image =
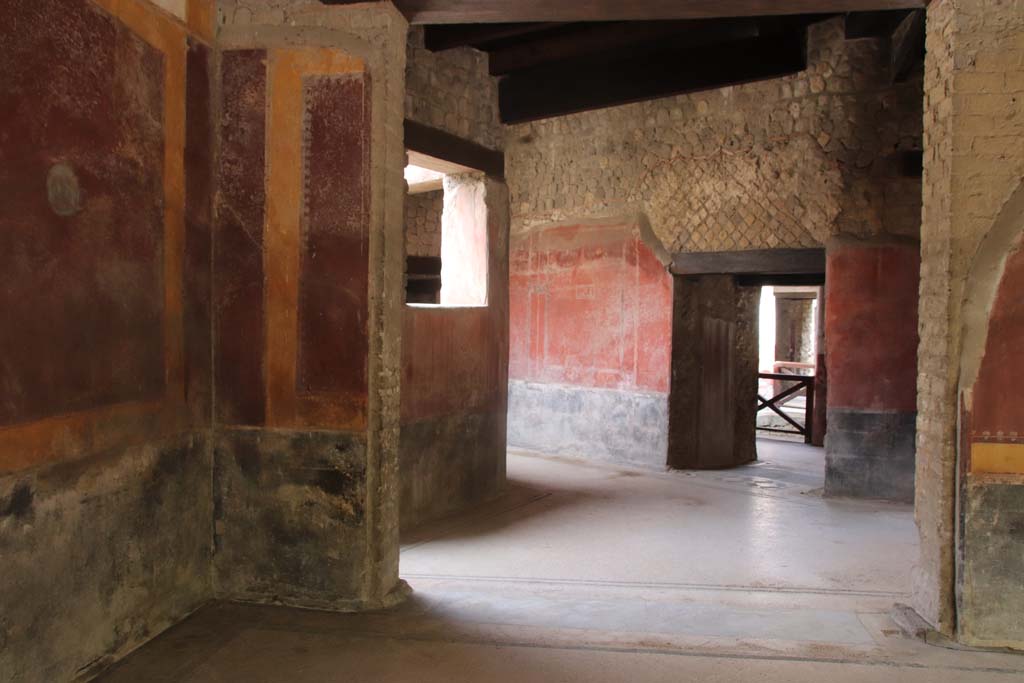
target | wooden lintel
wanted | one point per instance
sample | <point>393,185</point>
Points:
<point>447,147</point>
<point>755,262</point>
<point>804,280</point>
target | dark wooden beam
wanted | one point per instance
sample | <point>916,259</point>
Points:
<point>437,38</point>
<point>576,40</point>
<point>514,11</point>
<point>873,24</point>
<point>447,147</point>
<point>611,79</point>
<point>807,279</point>
<point>755,262</point>
<point>908,46</point>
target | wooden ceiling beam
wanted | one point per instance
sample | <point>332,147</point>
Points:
<point>577,40</point>
<point>611,79</point>
<point>509,11</point>
<point>437,38</point>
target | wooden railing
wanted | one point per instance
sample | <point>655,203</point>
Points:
<point>798,383</point>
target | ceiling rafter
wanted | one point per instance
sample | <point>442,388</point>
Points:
<point>512,11</point>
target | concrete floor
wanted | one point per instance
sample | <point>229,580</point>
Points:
<point>593,573</point>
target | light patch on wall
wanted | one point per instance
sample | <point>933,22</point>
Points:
<point>62,190</point>
<point>997,458</point>
<point>175,7</point>
<point>766,331</point>
<point>464,242</point>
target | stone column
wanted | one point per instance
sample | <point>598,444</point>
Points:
<point>308,291</point>
<point>973,161</point>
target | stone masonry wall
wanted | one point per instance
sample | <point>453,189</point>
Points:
<point>974,161</point>
<point>781,163</point>
<point>452,91</point>
<point>423,223</point>
<point>794,325</point>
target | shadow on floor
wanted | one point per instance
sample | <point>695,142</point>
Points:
<point>519,503</point>
<point>602,574</point>
<point>259,644</point>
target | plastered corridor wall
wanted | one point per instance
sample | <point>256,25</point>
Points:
<point>591,335</point>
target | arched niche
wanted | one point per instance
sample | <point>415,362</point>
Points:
<point>993,326</point>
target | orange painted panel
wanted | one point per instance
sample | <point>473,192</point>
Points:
<point>452,362</point>
<point>201,18</point>
<point>997,458</point>
<point>286,405</point>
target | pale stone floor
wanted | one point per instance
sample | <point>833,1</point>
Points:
<point>584,572</point>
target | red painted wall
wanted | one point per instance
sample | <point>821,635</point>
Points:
<point>453,362</point>
<point>998,404</point>
<point>455,359</point>
<point>590,305</point>
<point>871,326</point>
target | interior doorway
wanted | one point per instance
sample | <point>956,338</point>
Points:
<point>789,323</point>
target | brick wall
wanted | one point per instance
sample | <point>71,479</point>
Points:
<point>935,401</point>
<point>974,160</point>
<point>781,163</point>
<point>423,223</point>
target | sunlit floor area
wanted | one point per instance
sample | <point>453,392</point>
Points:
<point>583,572</point>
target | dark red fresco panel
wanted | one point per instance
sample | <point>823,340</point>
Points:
<point>198,230</point>
<point>81,290</point>
<point>334,269</point>
<point>238,285</point>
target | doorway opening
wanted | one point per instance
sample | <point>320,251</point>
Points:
<point>789,323</point>
<point>446,234</point>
